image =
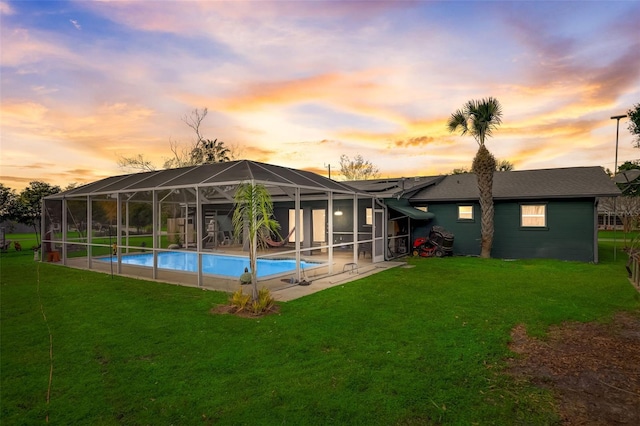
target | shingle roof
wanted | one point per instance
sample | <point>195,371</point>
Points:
<point>573,182</point>
<point>210,175</point>
<point>394,187</point>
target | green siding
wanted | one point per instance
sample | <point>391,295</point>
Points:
<point>467,233</point>
<point>569,234</point>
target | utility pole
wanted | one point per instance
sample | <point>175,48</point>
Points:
<point>615,171</point>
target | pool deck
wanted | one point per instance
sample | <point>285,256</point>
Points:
<point>342,270</point>
<point>296,291</point>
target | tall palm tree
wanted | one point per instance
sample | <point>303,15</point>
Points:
<point>254,215</point>
<point>479,118</point>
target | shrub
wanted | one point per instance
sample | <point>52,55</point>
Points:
<point>263,303</point>
<point>239,300</point>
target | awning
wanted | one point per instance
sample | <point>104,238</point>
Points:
<point>402,206</point>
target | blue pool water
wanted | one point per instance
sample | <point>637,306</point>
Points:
<point>215,264</point>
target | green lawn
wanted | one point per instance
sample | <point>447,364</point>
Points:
<point>424,345</point>
<point>619,235</point>
<point>102,245</point>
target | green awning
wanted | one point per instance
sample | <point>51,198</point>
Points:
<point>402,206</point>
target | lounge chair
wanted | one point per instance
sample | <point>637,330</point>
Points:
<point>267,239</point>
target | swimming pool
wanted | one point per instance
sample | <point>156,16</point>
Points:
<point>214,264</point>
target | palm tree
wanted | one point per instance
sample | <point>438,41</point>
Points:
<point>254,215</point>
<point>209,151</point>
<point>479,118</point>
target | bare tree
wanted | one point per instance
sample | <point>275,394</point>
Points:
<point>626,208</point>
<point>358,168</point>
<point>195,120</point>
<point>136,163</point>
<point>180,157</point>
<point>201,151</point>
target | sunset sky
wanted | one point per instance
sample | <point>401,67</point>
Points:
<point>299,83</point>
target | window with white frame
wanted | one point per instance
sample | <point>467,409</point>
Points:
<point>533,215</point>
<point>465,212</point>
<point>369,216</point>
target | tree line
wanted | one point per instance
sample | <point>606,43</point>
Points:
<point>25,207</point>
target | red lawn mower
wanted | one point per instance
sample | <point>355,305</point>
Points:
<point>439,243</point>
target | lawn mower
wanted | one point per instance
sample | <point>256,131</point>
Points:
<point>439,243</point>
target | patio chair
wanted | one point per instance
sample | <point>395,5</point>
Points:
<point>227,238</point>
<point>364,248</point>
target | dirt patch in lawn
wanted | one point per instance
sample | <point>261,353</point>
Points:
<point>592,369</point>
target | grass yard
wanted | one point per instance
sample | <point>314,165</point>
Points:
<point>421,345</point>
<point>618,235</point>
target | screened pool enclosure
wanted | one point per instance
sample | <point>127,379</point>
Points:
<point>323,222</point>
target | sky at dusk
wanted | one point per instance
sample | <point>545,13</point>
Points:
<point>300,83</point>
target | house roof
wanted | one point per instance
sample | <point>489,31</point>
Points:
<point>218,174</point>
<point>572,182</point>
<point>394,187</point>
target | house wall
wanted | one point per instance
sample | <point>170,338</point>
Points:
<point>569,234</point>
<point>341,224</point>
<point>467,233</point>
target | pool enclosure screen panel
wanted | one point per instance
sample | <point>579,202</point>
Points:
<point>379,239</point>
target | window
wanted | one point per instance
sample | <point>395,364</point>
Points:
<point>533,215</point>
<point>319,217</point>
<point>369,216</point>
<point>423,208</point>
<point>465,212</point>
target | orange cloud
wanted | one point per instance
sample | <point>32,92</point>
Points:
<point>317,170</point>
<point>259,154</point>
<point>33,166</point>
<point>285,92</point>
<point>414,141</point>
<point>15,179</point>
